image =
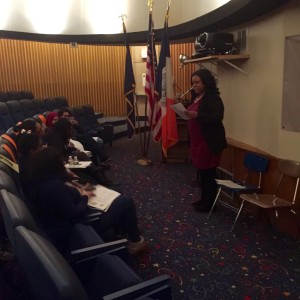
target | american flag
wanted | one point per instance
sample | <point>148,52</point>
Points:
<point>150,74</point>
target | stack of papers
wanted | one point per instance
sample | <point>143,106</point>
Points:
<point>229,183</point>
<point>103,198</point>
<point>80,165</point>
<point>180,109</point>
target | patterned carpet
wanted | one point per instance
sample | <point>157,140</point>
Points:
<point>203,258</point>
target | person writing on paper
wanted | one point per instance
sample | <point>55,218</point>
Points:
<point>207,134</point>
<point>60,205</point>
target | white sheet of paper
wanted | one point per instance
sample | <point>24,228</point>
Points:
<point>81,165</point>
<point>103,198</point>
<point>180,109</point>
<point>229,184</point>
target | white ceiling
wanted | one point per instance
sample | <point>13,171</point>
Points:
<point>96,16</point>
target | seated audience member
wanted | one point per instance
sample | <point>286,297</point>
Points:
<point>59,205</point>
<point>51,119</point>
<point>93,144</point>
<point>29,125</point>
<point>58,137</point>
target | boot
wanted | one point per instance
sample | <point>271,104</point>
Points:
<point>210,189</point>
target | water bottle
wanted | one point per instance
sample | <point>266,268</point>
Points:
<point>76,161</point>
<point>70,160</point>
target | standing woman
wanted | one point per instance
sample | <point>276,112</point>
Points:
<point>207,134</point>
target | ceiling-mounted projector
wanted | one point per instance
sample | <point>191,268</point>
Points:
<point>208,43</point>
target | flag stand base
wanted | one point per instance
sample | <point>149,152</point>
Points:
<point>144,162</point>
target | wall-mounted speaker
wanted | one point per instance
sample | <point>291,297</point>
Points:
<point>214,43</point>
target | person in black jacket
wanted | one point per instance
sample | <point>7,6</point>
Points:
<point>207,134</point>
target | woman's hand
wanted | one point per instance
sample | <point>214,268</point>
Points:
<point>87,193</point>
<point>191,114</point>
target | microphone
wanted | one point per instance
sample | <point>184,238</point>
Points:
<point>185,93</point>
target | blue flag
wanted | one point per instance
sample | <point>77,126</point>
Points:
<point>129,89</point>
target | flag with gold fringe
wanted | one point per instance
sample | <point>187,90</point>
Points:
<point>164,93</point>
<point>129,89</point>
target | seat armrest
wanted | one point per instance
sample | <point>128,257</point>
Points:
<point>91,217</point>
<point>92,251</point>
<point>158,285</point>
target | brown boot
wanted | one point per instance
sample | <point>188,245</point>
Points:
<point>137,247</point>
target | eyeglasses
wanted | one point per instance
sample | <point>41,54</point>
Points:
<point>66,116</point>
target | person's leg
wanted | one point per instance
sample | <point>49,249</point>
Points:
<point>201,180</point>
<point>122,212</point>
<point>91,145</point>
<point>209,188</point>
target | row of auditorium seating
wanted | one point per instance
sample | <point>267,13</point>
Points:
<point>15,95</point>
<point>14,111</point>
<point>94,269</point>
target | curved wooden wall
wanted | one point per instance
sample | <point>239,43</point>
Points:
<point>86,74</point>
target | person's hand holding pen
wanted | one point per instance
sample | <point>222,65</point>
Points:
<point>73,121</point>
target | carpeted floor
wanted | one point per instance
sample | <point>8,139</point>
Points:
<point>203,258</point>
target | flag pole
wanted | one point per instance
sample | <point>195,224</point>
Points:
<point>144,161</point>
<point>129,91</point>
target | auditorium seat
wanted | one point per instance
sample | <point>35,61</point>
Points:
<point>61,102</point>
<point>26,94</point>
<point>7,120</point>
<point>14,95</point>
<point>28,108</point>
<point>50,104</point>
<point>16,110</point>
<point>40,105</point>
<point>3,96</point>
<point>107,278</point>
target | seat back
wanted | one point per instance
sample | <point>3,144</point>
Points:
<point>28,108</point>
<point>3,97</point>
<point>26,94</point>
<point>40,105</point>
<point>7,120</point>
<point>8,183</point>
<point>289,168</point>
<point>61,102</point>
<point>50,104</point>
<point>16,110</point>
<point>255,163</point>
<point>49,275</point>
<point>15,213</point>
<point>14,95</point>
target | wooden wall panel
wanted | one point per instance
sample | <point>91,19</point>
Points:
<point>182,76</point>
<point>86,74</point>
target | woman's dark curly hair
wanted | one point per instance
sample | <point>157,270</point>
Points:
<point>62,128</point>
<point>28,125</point>
<point>209,82</point>
<point>27,143</point>
<point>46,163</point>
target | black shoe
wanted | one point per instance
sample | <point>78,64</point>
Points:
<point>197,203</point>
<point>204,208</point>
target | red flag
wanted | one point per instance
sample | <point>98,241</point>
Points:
<point>165,96</point>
